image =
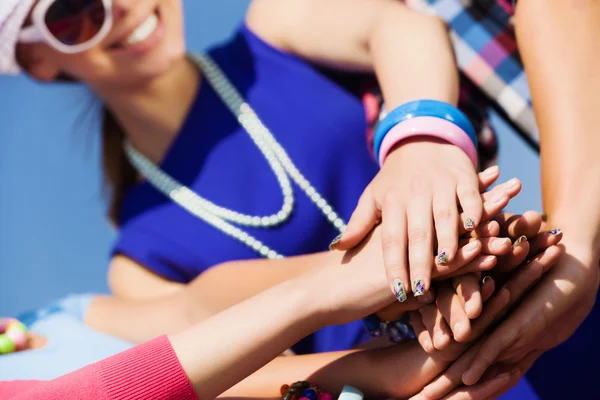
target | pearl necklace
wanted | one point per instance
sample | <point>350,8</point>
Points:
<point>276,156</point>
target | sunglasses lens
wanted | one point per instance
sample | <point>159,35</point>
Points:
<point>74,22</point>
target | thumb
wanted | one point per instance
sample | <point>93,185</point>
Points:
<point>363,220</point>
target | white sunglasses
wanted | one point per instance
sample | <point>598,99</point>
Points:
<point>70,26</point>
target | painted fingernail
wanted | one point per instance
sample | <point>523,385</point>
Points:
<point>442,258</point>
<point>399,290</point>
<point>556,231</point>
<point>335,241</point>
<point>520,240</point>
<point>469,223</point>
<point>418,287</point>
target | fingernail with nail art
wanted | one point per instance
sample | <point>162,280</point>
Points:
<point>469,223</point>
<point>399,290</point>
<point>442,258</point>
<point>519,241</point>
<point>556,231</point>
<point>335,241</point>
<point>418,287</point>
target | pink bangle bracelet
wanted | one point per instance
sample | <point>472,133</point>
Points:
<point>427,127</point>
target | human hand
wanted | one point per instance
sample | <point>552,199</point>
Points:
<point>400,371</point>
<point>547,317</point>
<point>448,384</point>
<point>415,194</point>
<point>451,319</point>
<point>493,202</point>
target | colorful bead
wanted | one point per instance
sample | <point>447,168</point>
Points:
<point>310,394</point>
<point>325,396</point>
<point>13,335</point>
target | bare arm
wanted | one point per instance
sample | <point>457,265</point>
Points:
<point>559,43</point>
<point>410,52</point>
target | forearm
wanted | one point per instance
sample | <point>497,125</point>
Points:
<point>141,320</point>
<point>558,43</point>
<point>399,371</point>
<point>216,357</point>
<point>227,284</point>
<point>410,52</point>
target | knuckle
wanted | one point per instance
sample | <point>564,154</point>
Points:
<point>419,235</point>
<point>444,213</point>
<point>417,186</point>
<point>469,191</point>
<point>391,198</point>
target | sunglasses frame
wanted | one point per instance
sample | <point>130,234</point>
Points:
<point>39,32</point>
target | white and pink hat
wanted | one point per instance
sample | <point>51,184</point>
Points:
<point>13,14</point>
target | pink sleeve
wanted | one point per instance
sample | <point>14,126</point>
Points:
<point>146,372</point>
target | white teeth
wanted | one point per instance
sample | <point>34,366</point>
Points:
<point>144,30</point>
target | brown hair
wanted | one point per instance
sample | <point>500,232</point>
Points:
<point>119,174</point>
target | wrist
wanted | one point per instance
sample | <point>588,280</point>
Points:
<point>580,237</point>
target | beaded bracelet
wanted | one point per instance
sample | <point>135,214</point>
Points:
<point>395,331</point>
<point>423,108</point>
<point>303,390</point>
<point>13,335</point>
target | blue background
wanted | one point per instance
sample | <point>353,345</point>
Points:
<point>54,238</point>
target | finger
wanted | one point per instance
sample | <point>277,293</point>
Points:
<point>508,332</point>
<point>421,332</point>
<point>497,246</point>
<point>451,308</point>
<point>420,244</point>
<point>363,220</point>
<point>468,291</point>
<point>429,316</point>
<point>480,263</point>
<point>487,177</point>
<point>470,202</point>
<point>445,216</point>
<point>452,377</point>
<point>544,240</point>
<point>487,288</point>
<point>493,203</point>
<point>396,310</point>
<point>514,226</point>
<point>442,335</point>
<point>512,187</point>
<point>517,255</point>
<point>489,389</point>
<point>464,256</point>
<point>486,230</point>
<point>393,241</point>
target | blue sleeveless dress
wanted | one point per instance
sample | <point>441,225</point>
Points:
<point>316,117</point>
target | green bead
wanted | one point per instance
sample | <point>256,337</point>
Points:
<point>7,346</point>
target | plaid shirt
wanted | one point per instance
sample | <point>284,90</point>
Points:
<point>491,70</point>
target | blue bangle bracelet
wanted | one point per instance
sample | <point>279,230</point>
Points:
<point>422,108</point>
